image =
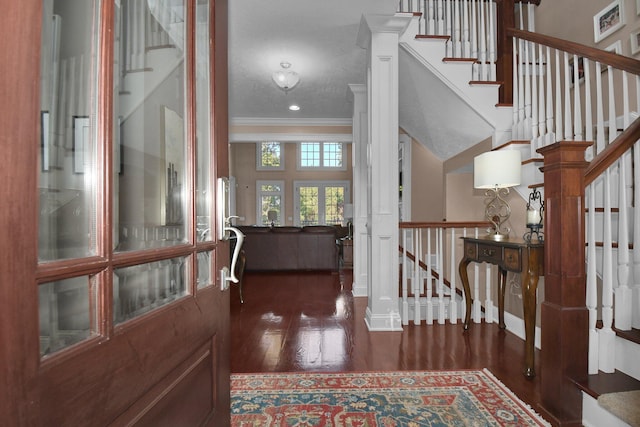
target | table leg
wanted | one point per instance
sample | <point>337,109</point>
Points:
<point>530,286</point>
<point>502,286</point>
<point>464,277</point>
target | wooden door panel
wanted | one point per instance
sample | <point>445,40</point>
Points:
<point>171,362</point>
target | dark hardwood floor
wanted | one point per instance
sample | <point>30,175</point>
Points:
<point>311,322</point>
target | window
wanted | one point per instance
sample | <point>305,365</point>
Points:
<point>320,155</point>
<point>320,202</point>
<point>269,156</point>
<point>270,202</point>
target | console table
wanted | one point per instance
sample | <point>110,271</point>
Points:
<point>517,256</point>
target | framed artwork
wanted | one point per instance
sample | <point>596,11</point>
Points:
<point>615,47</point>
<point>608,20</point>
<point>81,134</point>
<point>635,41</point>
<point>580,70</point>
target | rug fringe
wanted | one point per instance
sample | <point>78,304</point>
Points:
<point>513,396</point>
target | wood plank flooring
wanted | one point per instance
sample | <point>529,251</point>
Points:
<point>293,322</point>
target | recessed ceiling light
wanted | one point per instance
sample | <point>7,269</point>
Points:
<point>294,107</point>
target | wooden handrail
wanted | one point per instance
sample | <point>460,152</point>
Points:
<point>612,152</point>
<point>445,224</point>
<point>620,62</point>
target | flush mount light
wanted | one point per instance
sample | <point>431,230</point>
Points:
<point>294,107</point>
<point>285,78</point>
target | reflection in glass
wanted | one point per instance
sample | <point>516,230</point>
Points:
<point>203,91</point>
<point>149,109</point>
<point>67,313</point>
<point>67,192</point>
<point>142,288</point>
<point>205,274</point>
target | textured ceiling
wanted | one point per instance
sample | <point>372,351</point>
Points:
<point>319,39</point>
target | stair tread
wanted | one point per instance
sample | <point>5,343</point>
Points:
<point>432,37</point>
<point>601,383</point>
<point>633,335</point>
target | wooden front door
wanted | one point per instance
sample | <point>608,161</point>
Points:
<point>113,134</point>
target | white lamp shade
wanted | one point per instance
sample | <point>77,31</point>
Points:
<point>497,169</point>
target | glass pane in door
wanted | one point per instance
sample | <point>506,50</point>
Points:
<point>203,110</point>
<point>68,137</point>
<point>149,107</point>
<point>309,206</point>
<point>334,205</point>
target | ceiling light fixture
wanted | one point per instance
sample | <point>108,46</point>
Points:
<point>285,78</point>
<point>294,107</point>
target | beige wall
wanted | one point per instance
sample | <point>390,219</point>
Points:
<point>243,168</point>
<point>427,185</point>
<point>573,20</point>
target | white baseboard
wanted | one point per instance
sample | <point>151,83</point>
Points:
<point>515,325</point>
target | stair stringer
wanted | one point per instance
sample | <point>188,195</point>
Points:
<point>481,98</point>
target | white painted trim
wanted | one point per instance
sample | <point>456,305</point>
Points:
<point>264,121</point>
<point>390,322</point>
<point>290,137</point>
<point>515,325</point>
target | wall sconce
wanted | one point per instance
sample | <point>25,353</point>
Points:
<point>535,214</point>
<point>496,171</point>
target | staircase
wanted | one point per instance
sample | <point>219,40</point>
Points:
<point>546,108</point>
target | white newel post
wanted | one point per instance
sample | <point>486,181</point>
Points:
<point>360,199</point>
<point>380,36</point>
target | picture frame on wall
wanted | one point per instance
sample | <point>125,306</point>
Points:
<point>635,41</point>
<point>615,47</point>
<point>608,20</point>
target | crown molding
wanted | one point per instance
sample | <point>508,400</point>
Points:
<point>290,137</point>
<point>265,121</point>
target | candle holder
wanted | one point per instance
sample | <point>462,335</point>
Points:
<point>534,217</point>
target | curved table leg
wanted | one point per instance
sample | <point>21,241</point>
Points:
<point>462,270</point>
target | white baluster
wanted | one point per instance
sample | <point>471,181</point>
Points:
<point>456,35</point>
<point>466,43</point>
<point>606,336</point>
<point>431,27</point>
<point>568,126</point>
<point>626,113</point>
<point>488,307</point>
<point>474,31</point>
<point>440,249</point>
<point>482,35</point>
<point>492,42</point>
<point>521,90</point>
<point>530,18</point>
<point>588,109</point>
<point>534,102</point>
<point>558,98</point>
<point>613,126</point>
<point>577,105</point>
<point>542,119</point>
<point>592,282</point>
<point>514,128</point>
<point>453,305</point>
<point>417,284</point>
<point>636,235</point>
<point>449,24</point>
<point>441,15</point>
<point>429,315</point>
<point>405,272</point>
<point>476,307</point>
<point>527,91</point>
<point>600,136</point>
<point>550,137</point>
<point>623,292</point>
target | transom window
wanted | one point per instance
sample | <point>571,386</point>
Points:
<point>269,156</point>
<point>320,202</point>
<point>320,155</point>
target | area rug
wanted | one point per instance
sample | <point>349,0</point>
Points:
<point>370,399</point>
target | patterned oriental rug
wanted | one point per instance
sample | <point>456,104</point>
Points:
<point>385,399</point>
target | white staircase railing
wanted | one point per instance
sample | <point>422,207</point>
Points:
<point>430,254</point>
